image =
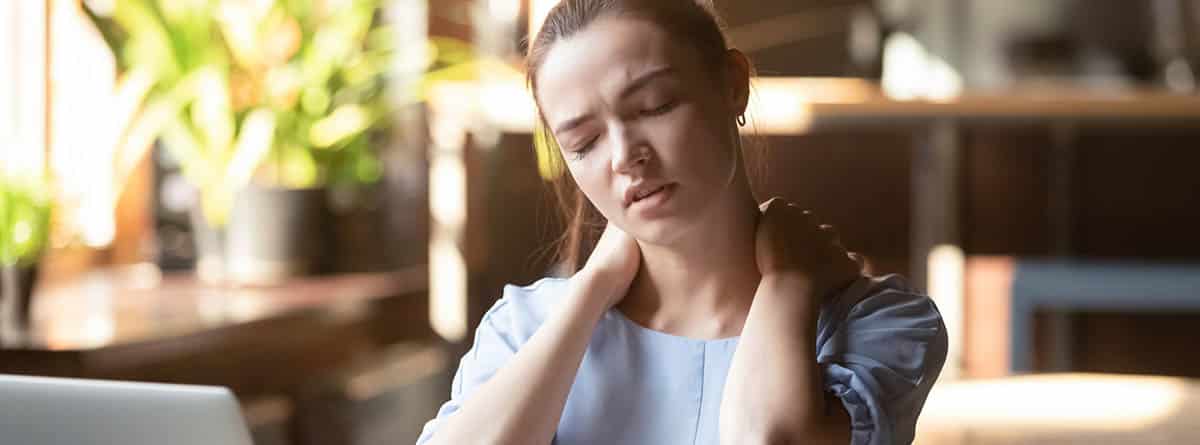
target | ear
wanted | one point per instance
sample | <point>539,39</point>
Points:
<point>738,72</point>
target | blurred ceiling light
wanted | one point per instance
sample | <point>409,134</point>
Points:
<point>946,268</point>
<point>1061,402</point>
<point>538,10</point>
<point>910,72</point>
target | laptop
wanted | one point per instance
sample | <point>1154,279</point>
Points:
<point>54,411</point>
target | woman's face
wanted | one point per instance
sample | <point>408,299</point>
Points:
<point>646,130</point>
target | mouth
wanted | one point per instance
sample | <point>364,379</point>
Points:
<point>649,192</point>
<point>649,197</point>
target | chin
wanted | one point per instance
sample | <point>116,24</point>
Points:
<point>662,232</point>
<point>670,229</point>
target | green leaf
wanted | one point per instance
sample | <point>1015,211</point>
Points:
<point>212,111</point>
<point>112,33</point>
<point>149,43</point>
<point>24,221</point>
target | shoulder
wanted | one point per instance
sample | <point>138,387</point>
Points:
<point>882,302</point>
<point>871,294</point>
<point>522,309</point>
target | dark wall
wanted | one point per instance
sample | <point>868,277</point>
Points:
<point>1132,193</point>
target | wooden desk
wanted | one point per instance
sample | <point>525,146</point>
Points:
<point>135,324</point>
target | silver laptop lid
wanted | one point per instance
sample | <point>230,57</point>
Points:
<point>52,411</point>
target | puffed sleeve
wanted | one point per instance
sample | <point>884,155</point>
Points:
<point>881,347</point>
<point>496,340</point>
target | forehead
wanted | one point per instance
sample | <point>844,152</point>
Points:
<point>595,63</point>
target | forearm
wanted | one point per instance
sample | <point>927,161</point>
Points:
<point>523,402</point>
<point>774,388</point>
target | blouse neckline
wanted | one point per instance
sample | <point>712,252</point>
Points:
<point>636,327</point>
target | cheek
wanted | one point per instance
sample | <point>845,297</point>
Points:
<point>694,145</point>
<point>591,176</point>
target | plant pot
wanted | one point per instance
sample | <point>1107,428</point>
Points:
<point>361,241</point>
<point>16,300</point>
<point>275,234</point>
<point>210,248</point>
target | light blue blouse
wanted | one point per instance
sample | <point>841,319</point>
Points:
<point>880,346</point>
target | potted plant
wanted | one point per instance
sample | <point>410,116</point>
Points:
<point>268,106</point>
<point>321,70</point>
<point>24,229</point>
<point>265,105</point>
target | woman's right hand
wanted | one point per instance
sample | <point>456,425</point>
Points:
<point>613,264</point>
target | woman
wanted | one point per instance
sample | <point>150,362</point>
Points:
<point>699,317</point>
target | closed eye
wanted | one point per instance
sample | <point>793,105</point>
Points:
<point>659,109</point>
<point>582,149</point>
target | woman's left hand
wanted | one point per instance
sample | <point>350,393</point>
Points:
<point>790,243</point>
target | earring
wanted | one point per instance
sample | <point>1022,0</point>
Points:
<point>741,120</point>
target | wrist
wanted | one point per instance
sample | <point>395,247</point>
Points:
<point>793,286</point>
<point>793,280</point>
<point>595,285</point>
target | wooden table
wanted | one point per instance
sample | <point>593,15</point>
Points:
<point>1062,409</point>
<point>137,324</point>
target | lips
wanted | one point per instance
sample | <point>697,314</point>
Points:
<point>645,194</point>
<point>638,192</point>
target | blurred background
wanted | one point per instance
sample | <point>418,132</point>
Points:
<point>313,202</point>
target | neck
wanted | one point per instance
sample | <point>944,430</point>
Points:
<point>700,286</point>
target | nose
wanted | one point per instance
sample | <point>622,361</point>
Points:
<point>630,152</point>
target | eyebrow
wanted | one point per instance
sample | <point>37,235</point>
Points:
<point>630,88</point>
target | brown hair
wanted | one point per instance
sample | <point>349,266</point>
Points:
<point>694,21</point>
